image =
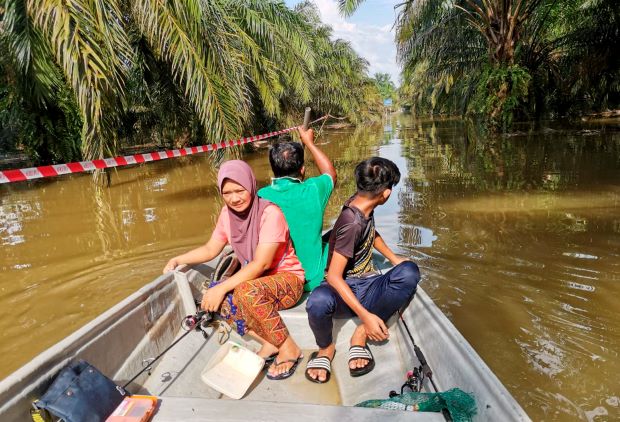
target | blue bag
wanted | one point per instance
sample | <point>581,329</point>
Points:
<point>80,393</point>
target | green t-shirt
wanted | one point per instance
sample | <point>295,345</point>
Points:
<point>303,205</point>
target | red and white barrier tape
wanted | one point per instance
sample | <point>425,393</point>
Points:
<point>19,175</point>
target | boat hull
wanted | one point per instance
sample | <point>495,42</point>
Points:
<point>140,327</point>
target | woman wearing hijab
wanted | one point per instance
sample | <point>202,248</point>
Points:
<point>271,277</point>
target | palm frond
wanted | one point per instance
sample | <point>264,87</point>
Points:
<point>205,68</point>
<point>30,53</point>
<point>92,49</point>
<point>348,7</point>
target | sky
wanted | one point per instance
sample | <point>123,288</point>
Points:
<point>369,31</point>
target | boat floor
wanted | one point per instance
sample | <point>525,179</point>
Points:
<point>177,380</point>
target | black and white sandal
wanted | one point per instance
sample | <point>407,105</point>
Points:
<point>321,362</point>
<point>359,352</point>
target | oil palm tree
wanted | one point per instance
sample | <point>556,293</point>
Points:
<point>218,54</point>
<point>480,55</point>
<point>339,84</point>
<point>176,69</point>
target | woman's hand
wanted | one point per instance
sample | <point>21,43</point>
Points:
<point>213,298</point>
<point>171,265</point>
<point>376,329</point>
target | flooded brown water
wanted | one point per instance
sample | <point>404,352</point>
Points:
<point>518,240</point>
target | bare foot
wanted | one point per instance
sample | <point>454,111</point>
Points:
<point>358,339</point>
<point>321,374</point>
<point>287,354</point>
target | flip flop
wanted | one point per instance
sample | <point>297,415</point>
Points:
<point>321,362</point>
<point>269,360</point>
<point>359,352</point>
<point>291,370</point>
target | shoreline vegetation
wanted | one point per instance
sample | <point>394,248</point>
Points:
<point>507,61</point>
<point>85,80</point>
<point>18,159</point>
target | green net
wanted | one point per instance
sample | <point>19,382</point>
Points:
<point>461,405</point>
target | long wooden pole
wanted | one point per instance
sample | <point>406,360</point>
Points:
<point>307,118</point>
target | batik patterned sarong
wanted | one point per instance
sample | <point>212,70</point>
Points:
<point>254,305</point>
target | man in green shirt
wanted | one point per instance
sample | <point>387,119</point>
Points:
<point>302,201</point>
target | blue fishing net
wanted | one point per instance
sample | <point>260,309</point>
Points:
<point>461,405</point>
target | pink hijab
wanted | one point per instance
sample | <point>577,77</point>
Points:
<point>244,226</point>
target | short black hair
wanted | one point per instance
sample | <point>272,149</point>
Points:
<point>376,174</point>
<point>286,159</point>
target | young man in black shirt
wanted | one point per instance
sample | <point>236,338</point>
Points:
<point>352,287</point>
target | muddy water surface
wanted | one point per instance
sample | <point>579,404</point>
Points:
<point>518,240</point>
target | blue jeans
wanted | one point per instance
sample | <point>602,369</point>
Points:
<point>381,295</point>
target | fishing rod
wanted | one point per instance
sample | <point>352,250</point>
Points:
<point>425,368</point>
<point>416,377</point>
<point>197,322</point>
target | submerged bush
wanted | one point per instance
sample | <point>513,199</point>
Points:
<point>500,93</point>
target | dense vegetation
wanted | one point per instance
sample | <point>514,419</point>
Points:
<point>386,87</point>
<point>82,79</point>
<point>507,59</point>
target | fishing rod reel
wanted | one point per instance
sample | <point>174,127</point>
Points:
<point>414,382</point>
<point>200,321</point>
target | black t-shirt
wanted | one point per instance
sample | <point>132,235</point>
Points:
<point>353,236</point>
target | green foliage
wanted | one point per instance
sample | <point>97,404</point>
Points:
<point>168,72</point>
<point>501,91</point>
<point>384,83</point>
<point>348,7</point>
<point>339,84</point>
<point>48,136</point>
<point>91,47</point>
<point>568,49</point>
<point>38,112</point>
<point>440,54</point>
<point>586,75</point>
<point>55,135</point>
